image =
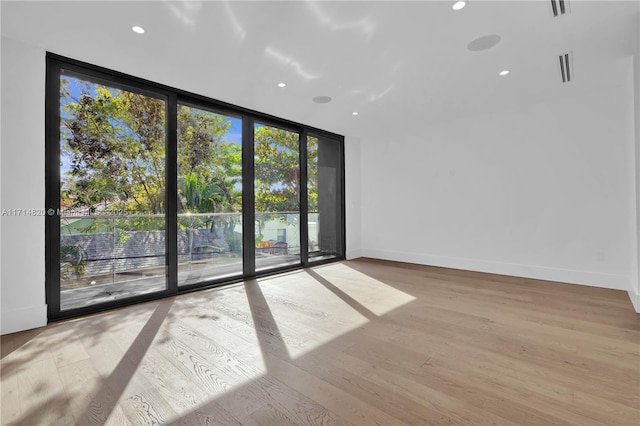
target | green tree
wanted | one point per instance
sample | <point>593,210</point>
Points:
<point>209,168</point>
<point>312,173</point>
<point>114,141</point>
<point>277,170</point>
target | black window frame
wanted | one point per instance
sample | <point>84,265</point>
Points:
<point>173,97</point>
<point>341,204</point>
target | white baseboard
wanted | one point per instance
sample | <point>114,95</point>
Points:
<point>593,279</point>
<point>353,254</point>
<point>635,300</point>
<point>23,319</point>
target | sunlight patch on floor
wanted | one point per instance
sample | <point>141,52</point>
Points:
<point>375,295</point>
<point>333,295</point>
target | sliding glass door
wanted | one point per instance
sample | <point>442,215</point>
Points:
<point>277,197</point>
<point>112,222</point>
<point>209,195</point>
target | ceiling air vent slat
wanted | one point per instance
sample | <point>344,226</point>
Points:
<point>566,67</point>
<point>559,7</point>
<point>562,11</point>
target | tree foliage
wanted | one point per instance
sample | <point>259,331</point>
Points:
<point>209,167</point>
<point>277,170</point>
<point>312,174</point>
<point>115,145</point>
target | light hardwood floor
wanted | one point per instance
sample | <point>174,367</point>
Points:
<point>357,342</point>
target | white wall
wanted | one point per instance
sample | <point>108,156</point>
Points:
<point>22,187</point>
<point>539,191</point>
<point>353,189</point>
<point>1,204</point>
<point>634,288</point>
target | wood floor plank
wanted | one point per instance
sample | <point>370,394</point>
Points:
<point>206,415</point>
<point>69,353</point>
<point>6,345</point>
<point>117,358</point>
<point>268,416</point>
<point>222,369</point>
<point>217,385</point>
<point>9,394</point>
<point>43,399</point>
<point>146,408</point>
<point>94,404</point>
<point>351,409</point>
<point>460,377</point>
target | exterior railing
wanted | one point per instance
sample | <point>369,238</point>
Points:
<point>105,248</point>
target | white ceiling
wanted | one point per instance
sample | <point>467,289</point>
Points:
<point>396,63</point>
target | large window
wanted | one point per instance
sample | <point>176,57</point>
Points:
<point>324,197</point>
<point>152,191</point>
<point>209,195</point>
<point>277,196</point>
<point>112,192</point>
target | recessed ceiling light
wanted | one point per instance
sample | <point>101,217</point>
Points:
<point>354,113</point>
<point>138,30</point>
<point>504,72</point>
<point>282,84</point>
<point>459,5</point>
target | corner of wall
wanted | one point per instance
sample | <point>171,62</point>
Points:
<point>23,71</point>
<point>635,300</point>
<point>634,285</point>
<point>16,320</point>
<point>1,41</point>
<point>353,190</point>
<point>353,254</point>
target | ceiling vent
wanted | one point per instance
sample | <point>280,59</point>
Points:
<point>566,67</point>
<point>559,7</point>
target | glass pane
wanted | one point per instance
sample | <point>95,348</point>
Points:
<point>112,225</point>
<point>277,189</point>
<point>324,167</point>
<point>209,196</point>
